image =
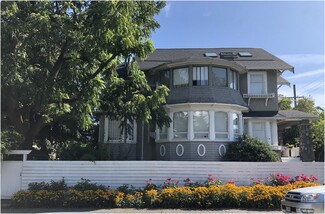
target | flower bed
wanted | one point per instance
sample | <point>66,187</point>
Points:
<point>209,195</point>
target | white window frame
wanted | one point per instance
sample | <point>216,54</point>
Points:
<point>249,80</point>
<point>130,139</point>
<point>211,109</point>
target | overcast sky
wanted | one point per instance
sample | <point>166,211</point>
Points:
<point>292,30</point>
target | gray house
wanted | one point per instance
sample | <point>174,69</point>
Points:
<point>216,95</point>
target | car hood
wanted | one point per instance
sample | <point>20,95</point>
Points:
<point>315,189</point>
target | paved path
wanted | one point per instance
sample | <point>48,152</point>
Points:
<point>138,211</point>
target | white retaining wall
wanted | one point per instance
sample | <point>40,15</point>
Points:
<point>117,173</point>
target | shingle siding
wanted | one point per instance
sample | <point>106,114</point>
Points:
<point>205,94</point>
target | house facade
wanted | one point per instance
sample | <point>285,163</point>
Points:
<point>216,95</point>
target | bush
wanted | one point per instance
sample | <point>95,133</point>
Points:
<point>85,184</point>
<point>252,150</point>
<point>212,196</point>
<point>52,186</point>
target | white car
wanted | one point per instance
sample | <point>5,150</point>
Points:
<point>304,200</point>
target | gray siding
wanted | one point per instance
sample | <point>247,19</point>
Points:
<point>259,104</point>
<point>190,151</point>
<point>205,94</point>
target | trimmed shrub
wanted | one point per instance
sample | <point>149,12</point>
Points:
<point>251,150</point>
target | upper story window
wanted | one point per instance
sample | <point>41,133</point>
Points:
<point>219,76</point>
<point>181,77</point>
<point>232,79</point>
<point>200,76</point>
<point>257,83</point>
<point>164,78</point>
<point>201,124</point>
<point>180,123</point>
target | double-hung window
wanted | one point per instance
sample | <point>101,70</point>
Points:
<point>257,83</point>
<point>180,77</point>
<point>180,125</point>
<point>201,124</point>
<point>221,125</point>
<point>259,130</point>
<point>200,76</point>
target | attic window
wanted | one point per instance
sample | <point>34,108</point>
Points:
<point>211,54</point>
<point>245,54</point>
<point>229,55</point>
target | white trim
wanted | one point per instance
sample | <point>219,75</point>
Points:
<point>205,107</point>
<point>198,150</point>
<point>275,140</point>
<point>182,148</point>
<point>212,134</point>
<point>219,150</point>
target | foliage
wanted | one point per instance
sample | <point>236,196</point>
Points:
<point>52,186</point>
<point>306,104</point>
<point>291,136</point>
<point>317,130</point>
<point>211,181</point>
<point>284,103</point>
<point>85,184</point>
<point>59,58</point>
<point>250,149</point>
<point>200,197</point>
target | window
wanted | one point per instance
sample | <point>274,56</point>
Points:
<point>235,122</point>
<point>180,120</point>
<point>257,83</point>
<point>201,124</point>
<point>221,125</point>
<point>114,132</point>
<point>232,79</point>
<point>180,77</point>
<point>219,76</point>
<point>259,130</point>
<point>200,76</point>
<point>164,78</point>
<point>163,133</point>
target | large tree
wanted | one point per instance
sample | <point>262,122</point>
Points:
<point>59,58</point>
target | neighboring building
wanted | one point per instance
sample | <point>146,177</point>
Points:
<point>216,95</point>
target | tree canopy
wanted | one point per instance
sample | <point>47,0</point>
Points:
<point>59,61</point>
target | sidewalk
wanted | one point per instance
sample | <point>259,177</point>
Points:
<point>138,211</point>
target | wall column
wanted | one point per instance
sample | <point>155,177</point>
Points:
<point>171,127</point>
<point>275,141</point>
<point>230,127</point>
<point>211,127</point>
<point>190,129</point>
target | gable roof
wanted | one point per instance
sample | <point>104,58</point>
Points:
<point>260,58</point>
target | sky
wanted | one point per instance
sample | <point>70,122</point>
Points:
<point>291,30</point>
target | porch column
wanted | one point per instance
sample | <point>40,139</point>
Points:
<point>211,129</point>
<point>190,130</point>
<point>230,127</point>
<point>275,141</point>
<point>268,132</point>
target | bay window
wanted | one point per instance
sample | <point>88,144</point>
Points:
<point>163,133</point>
<point>221,125</point>
<point>180,125</point>
<point>200,76</point>
<point>180,77</point>
<point>219,76</point>
<point>235,119</point>
<point>164,78</point>
<point>201,124</point>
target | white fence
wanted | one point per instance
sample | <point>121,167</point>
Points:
<point>117,173</point>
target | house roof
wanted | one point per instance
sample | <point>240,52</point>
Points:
<point>295,115</point>
<point>259,59</point>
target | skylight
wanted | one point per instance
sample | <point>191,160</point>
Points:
<point>211,54</point>
<point>245,54</point>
